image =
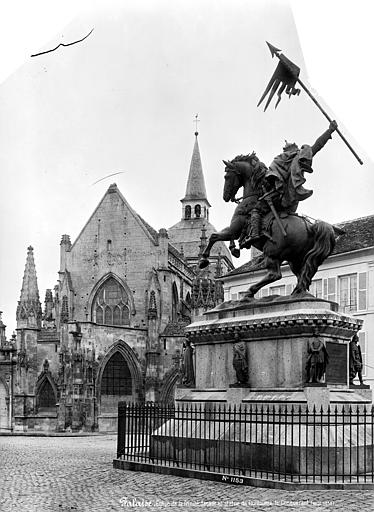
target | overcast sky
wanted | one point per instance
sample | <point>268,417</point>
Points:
<point>125,98</point>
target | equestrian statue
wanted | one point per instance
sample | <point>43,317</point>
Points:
<point>266,217</point>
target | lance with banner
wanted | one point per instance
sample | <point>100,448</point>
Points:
<point>285,77</point>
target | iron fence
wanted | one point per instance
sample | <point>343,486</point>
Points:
<point>289,444</point>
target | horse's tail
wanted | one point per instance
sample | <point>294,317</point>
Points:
<point>324,243</point>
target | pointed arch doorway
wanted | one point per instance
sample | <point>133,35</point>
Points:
<point>46,397</point>
<point>119,380</point>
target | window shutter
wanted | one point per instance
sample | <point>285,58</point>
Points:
<point>325,288</point>
<point>318,285</point>
<point>265,292</point>
<point>362,291</point>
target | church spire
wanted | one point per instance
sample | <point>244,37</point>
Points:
<point>195,202</point>
<point>29,311</point>
<point>195,188</point>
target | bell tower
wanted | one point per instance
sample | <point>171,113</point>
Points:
<point>195,204</point>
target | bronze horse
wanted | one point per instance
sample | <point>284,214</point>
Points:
<point>304,247</point>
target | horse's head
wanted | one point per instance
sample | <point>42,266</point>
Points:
<point>232,181</point>
<point>236,173</point>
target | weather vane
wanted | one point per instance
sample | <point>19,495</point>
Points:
<point>284,78</point>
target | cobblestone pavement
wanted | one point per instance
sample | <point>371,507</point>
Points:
<point>75,474</point>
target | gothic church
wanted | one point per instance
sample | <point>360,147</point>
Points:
<point>112,328</point>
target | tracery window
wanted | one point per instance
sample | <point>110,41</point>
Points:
<point>116,378</point>
<point>110,306</point>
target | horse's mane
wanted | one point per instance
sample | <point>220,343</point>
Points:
<point>245,158</point>
<point>259,167</point>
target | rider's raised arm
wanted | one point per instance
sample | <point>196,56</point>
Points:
<point>321,141</point>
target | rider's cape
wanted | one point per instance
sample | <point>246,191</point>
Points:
<point>288,169</point>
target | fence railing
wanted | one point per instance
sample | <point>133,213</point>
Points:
<point>292,444</point>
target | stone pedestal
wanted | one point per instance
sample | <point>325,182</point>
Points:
<point>276,332</point>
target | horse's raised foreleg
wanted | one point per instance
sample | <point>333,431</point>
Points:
<point>230,233</point>
<point>223,235</point>
<point>273,274</point>
<point>227,234</point>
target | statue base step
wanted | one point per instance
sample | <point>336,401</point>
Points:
<point>309,396</point>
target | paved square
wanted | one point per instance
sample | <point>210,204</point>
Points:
<point>75,473</point>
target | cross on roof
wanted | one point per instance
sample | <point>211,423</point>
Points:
<point>196,120</point>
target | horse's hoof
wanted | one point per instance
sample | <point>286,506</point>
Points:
<point>235,252</point>
<point>203,263</point>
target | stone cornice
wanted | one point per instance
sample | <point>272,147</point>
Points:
<point>268,325</point>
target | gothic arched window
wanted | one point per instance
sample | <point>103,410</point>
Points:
<point>187,212</point>
<point>65,310</point>
<point>46,396</point>
<point>174,303</point>
<point>197,211</point>
<point>116,378</point>
<point>110,306</point>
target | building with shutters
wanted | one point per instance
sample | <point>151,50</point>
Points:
<point>346,277</point>
<point>112,329</point>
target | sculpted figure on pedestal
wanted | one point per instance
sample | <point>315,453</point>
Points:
<point>355,360</point>
<point>188,372</point>
<point>240,362</point>
<point>317,361</point>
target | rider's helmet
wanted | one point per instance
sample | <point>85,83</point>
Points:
<point>290,146</point>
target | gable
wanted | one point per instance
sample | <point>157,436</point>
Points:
<point>113,223</point>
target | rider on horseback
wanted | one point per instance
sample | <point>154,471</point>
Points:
<point>283,183</point>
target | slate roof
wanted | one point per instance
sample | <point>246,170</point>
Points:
<point>173,250</point>
<point>174,329</point>
<point>358,234</point>
<point>150,229</point>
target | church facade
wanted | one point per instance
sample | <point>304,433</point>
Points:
<point>112,329</point>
